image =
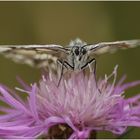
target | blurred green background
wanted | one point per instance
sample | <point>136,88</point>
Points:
<point>60,22</point>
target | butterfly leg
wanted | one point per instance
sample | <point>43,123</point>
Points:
<point>89,63</point>
<point>62,64</point>
<point>94,71</point>
<point>67,64</point>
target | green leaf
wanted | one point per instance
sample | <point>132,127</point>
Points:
<point>127,134</point>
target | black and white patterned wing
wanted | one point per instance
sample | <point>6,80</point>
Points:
<point>111,47</point>
<point>34,55</point>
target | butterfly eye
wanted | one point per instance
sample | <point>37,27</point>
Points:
<point>84,51</point>
<point>76,51</point>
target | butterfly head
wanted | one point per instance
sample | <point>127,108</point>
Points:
<point>79,52</point>
<point>78,49</point>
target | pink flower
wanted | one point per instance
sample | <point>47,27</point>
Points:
<point>76,105</point>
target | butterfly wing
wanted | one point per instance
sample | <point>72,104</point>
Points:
<point>104,47</point>
<point>34,55</point>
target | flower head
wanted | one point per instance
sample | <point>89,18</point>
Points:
<point>76,104</point>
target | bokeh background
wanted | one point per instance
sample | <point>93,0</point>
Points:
<point>60,22</point>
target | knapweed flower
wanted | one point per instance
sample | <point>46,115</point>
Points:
<point>73,109</point>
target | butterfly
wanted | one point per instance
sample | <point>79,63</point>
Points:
<point>75,56</point>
